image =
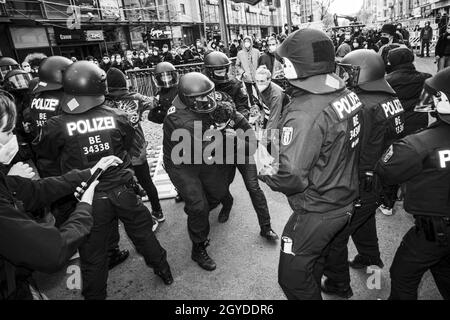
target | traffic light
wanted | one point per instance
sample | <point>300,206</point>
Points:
<point>144,37</point>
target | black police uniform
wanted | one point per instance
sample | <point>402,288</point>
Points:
<point>383,118</point>
<point>319,175</point>
<point>235,89</point>
<point>201,185</point>
<point>422,162</point>
<point>166,97</point>
<point>44,106</point>
<point>80,140</point>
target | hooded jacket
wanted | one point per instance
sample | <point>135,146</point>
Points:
<point>408,84</point>
<point>247,62</point>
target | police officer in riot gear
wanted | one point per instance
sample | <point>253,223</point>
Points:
<point>7,64</point>
<point>383,119</point>
<point>86,131</point>
<point>226,113</point>
<point>317,168</point>
<point>166,78</point>
<point>201,185</point>
<point>217,66</point>
<point>422,162</point>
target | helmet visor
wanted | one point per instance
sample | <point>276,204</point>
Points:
<point>5,69</point>
<point>19,81</point>
<point>426,103</point>
<point>219,73</point>
<point>166,79</point>
<point>205,103</point>
<point>348,73</point>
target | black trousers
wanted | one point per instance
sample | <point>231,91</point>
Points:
<point>362,229</point>
<point>202,187</point>
<point>142,173</point>
<point>425,44</point>
<point>122,203</point>
<point>250,176</point>
<point>413,258</point>
<point>249,88</point>
<point>300,273</point>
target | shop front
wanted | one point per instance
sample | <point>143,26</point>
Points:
<point>79,43</point>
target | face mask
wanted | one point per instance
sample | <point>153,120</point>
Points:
<point>165,50</point>
<point>129,56</point>
<point>355,44</point>
<point>262,87</point>
<point>384,40</point>
<point>272,48</point>
<point>247,45</point>
<point>142,57</point>
<point>27,69</point>
<point>9,150</point>
<point>118,60</point>
<point>198,44</point>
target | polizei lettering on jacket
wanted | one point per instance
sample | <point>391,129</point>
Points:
<point>346,105</point>
<point>47,104</point>
<point>392,108</point>
<point>91,125</point>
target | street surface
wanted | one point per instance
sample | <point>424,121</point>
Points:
<point>246,263</point>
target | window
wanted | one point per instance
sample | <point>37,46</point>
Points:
<point>182,9</point>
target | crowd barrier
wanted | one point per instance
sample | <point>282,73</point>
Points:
<point>141,80</point>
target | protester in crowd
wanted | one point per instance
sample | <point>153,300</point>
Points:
<point>408,84</point>
<point>443,50</point>
<point>273,97</point>
<point>154,59</point>
<point>26,67</point>
<point>426,36</point>
<point>269,60</point>
<point>106,63</point>
<point>141,61</point>
<point>129,62</point>
<point>118,63</point>
<point>166,55</point>
<point>234,48</point>
<point>389,39</point>
<point>246,65</point>
<point>345,48</point>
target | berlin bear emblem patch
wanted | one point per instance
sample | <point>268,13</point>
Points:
<point>286,137</point>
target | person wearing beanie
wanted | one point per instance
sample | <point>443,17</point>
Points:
<point>134,104</point>
<point>389,40</point>
<point>408,84</point>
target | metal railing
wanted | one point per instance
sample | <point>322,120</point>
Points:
<point>141,80</point>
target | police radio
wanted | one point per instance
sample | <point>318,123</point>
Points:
<point>94,177</point>
<point>348,73</point>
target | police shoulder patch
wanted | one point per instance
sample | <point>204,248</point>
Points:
<point>286,137</point>
<point>171,110</point>
<point>388,154</point>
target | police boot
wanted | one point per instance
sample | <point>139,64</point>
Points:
<point>268,233</point>
<point>164,273</point>
<point>116,257</point>
<point>361,262</point>
<point>200,256</point>
<point>336,289</point>
<point>227,204</point>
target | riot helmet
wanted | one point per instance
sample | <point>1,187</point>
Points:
<point>84,85</point>
<point>197,92</point>
<point>371,71</point>
<point>217,66</point>
<point>165,75</point>
<point>308,59</point>
<point>51,72</point>
<point>17,80</point>
<point>7,64</point>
